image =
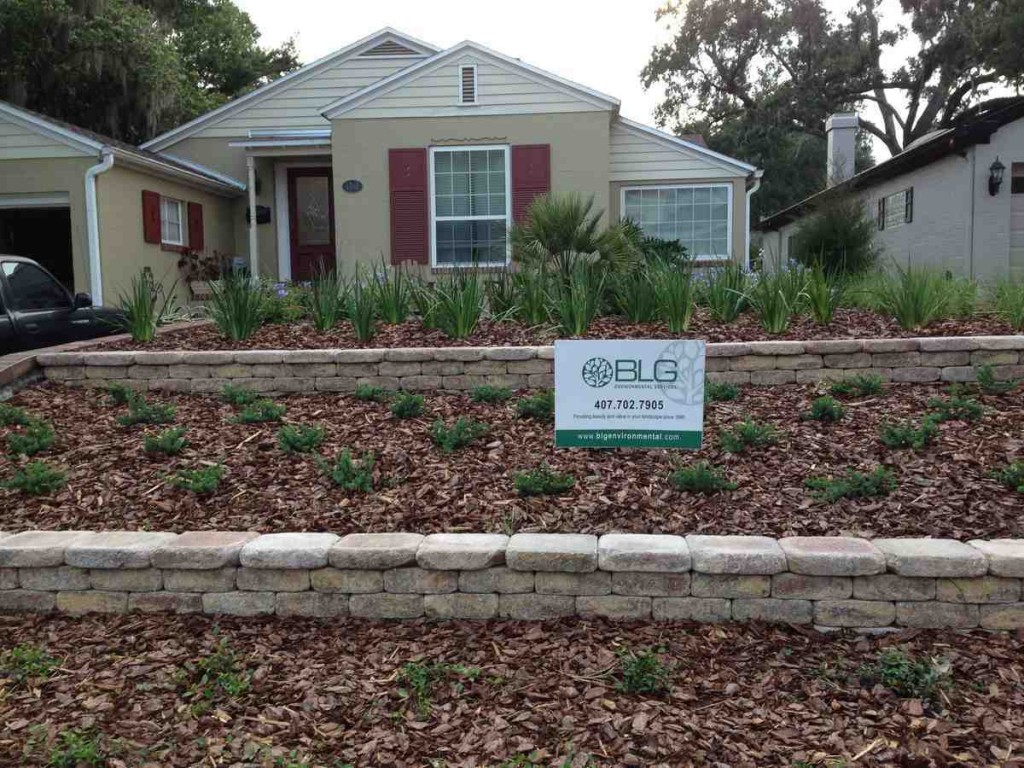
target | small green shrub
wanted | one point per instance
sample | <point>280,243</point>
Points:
<point>27,662</point>
<point>239,396</point>
<point>200,481</point>
<point>142,412</point>
<point>838,236</point>
<point>371,393</point>
<point>956,407</point>
<point>853,485</point>
<point>825,409</point>
<point>78,749</point>
<point>490,394</point>
<point>700,477</point>
<point>11,415</point>
<point>286,304</point>
<point>261,411</point>
<point>747,434</point>
<point>906,676</point>
<point>862,385</point>
<point>36,478</point>
<point>171,441</point>
<point>348,473</point>
<point>416,681</point>
<point>463,432</point>
<point>121,394</point>
<point>407,406</point>
<point>986,380</point>
<point>907,435</point>
<point>216,677</point>
<point>720,392</point>
<point>539,406</point>
<point>36,438</point>
<point>1012,476</point>
<point>543,481</point>
<point>300,438</point>
<point>238,305</point>
<point>642,673</point>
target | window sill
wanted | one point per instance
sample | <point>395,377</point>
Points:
<point>440,269</point>
<point>172,248</point>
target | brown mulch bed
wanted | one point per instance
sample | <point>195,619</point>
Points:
<point>943,490</point>
<point>514,694</point>
<point>848,324</point>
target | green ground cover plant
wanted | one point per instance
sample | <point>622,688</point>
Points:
<point>406,405</point>
<point>1012,476</point>
<point>239,396</point>
<point>417,681</point>
<point>747,434</point>
<point>201,481</point>
<point>11,415</point>
<point>908,435</point>
<point>219,676</point>
<point>826,409</point>
<point>36,478</point>
<point>300,438</point>
<point>490,394</point>
<point>348,473</point>
<point>852,484</point>
<point>460,434</point>
<point>27,662</point>
<point>141,411</point>
<point>170,441</point>
<point>260,411</point>
<point>36,437</point>
<point>543,481</point>
<point>539,406</point>
<point>862,385</point>
<point>720,392</point>
<point>642,673</point>
<point>906,676</point>
<point>373,394</point>
<point>956,407</point>
<point>700,477</point>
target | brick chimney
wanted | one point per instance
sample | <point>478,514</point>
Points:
<point>841,130</point>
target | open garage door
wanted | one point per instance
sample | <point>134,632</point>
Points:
<point>39,227</point>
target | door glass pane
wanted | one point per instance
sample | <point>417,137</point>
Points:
<point>313,210</point>
<point>33,289</point>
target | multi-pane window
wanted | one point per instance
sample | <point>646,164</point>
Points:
<point>1017,179</point>
<point>172,230</point>
<point>896,209</point>
<point>699,217</point>
<point>470,206</point>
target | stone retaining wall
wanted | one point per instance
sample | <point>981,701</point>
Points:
<point>828,582</point>
<point>463,368</point>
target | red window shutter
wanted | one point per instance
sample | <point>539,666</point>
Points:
<point>196,240</point>
<point>531,176</point>
<point>410,213</point>
<point>150,216</point>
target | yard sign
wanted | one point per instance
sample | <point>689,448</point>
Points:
<point>629,394</point>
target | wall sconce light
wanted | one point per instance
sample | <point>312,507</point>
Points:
<point>995,177</point>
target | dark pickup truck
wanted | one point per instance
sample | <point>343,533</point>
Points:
<point>37,311</point>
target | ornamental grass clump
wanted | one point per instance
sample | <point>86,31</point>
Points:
<point>674,289</point>
<point>1008,300</point>
<point>372,393</point>
<point>500,292</point>
<point>238,305</point>
<point>36,437</point>
<point>635,296</point>
<point>701,477</point>
<point>300,438</point>
<point>201,481</point>
<point>140,411</point>
<point>908,435</point>
<point>239,396</point>
<point>824,293</point>
<point>533,289</point>
<point>406,405</point>
<point>825,409</point>
<point>720,392</point>
<point>459,303</point>
<point>171,441</point>
<point>393,289</point>
<point>348,473</point>
<point>460,434</point>
<point>862,385</point>
<point>328,299</point>
<point>914,297</point>
<point>852,485</point>
<point>777,296</point>
<point>362,311</point>
<point>576,300</point>
<point>539,406</point>
<point>1012,476</point>
<point>36,478</point>
<point>488,393</point>
<point>145,306</point>
<point>747,434</point>
<point>260,412</point>
<point>543,481</point>
<point>724,292</point>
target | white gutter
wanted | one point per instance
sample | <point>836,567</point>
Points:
<point>92,223</point>
<point>750,192</point>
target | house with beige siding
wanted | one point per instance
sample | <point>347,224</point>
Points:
<point>952,201</point>
<point>391,148</point>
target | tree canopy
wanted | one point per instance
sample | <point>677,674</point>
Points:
<point>131,69</point>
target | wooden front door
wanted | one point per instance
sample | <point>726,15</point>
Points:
<point>311,221</point>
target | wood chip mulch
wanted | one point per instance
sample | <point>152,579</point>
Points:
<point>943,490</point>
<point>848,324</point>
<point>515,694</point>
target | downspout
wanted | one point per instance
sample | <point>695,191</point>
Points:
<point>254,257</point>
<point>970,220</point>
<point>92,224</point>
<point>746,240</point>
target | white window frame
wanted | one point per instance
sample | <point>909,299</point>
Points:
<point>476,86</point>
<point>433,213</point>
<point>727,256</point>
<point>182,229</point>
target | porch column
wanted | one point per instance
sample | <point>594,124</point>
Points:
<point>254,256</point>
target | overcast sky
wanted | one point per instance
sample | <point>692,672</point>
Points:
<point>599,43</point>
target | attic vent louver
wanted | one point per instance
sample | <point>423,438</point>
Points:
<point>389,48</point>
<point>467,84</point>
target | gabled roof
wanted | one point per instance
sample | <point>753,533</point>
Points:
<point>677,142</point>
<point>354,100</point>
<point>385,39</point>
<point>976,127</point>
<point>92,143</point>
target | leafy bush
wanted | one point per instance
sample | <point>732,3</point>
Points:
<point>986,379</point>
<point>642,673</point>
<point>200,481</point>
<point>1008,298</point>
<point>853,485</point>
<point>36,478</point>
<point>700,477</point>
<point>724,292</point>
<point>635,296</point>
<point>914,297</point>
<point>1012,476</point>
<point>171,441</point>
<point>328,298</point>
<point>12,415</point>
<point>907,435</point>
<point>373,394</point>
<point>300,438</point>
<point>956,407</point>
<point>543,481</point>
<point>237,305</point>
<point>458,303</point>
<point>824,294</point>
<point>261,411</point>
<point>862,385</point>
<point>747,434</point>
<point>27,662</point>
<point>838,235</point>
<point>905,676</point>
<point>393,292</point>
<point>720,392</point>
<point>145,306</point>
<point>121,394</point>
<point>674,289</point>
<point>218,676</point>
<point>362,311</point>
<point>777,296</point>
<point>487,393</point>
<point>576,301</point>
<point>238,396</point>
<point>348,473</point>
<point>463,432</point>
<point>142,412</point>
<point>78,748</point>
<point>37,436</point>
<point>825,409</point>
<point>539,406</point>
<point>286,304</point>
<point>407,406</point>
